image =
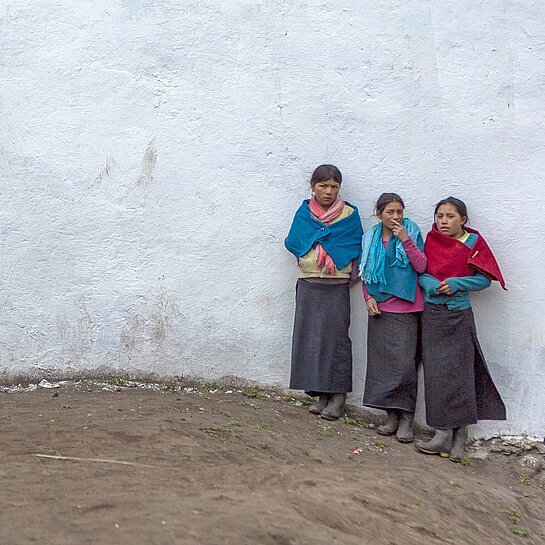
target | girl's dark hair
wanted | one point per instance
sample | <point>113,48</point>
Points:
<point>385,199</point>
<point>460,206</point>
<point>324,173</point>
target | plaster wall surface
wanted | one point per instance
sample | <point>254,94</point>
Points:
<point>153,152</point>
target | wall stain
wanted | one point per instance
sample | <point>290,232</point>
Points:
<point>107,169</point>
<point>77,337</point>
<point>148,165</point>
<point>132,333</point>
<point>157,316</point>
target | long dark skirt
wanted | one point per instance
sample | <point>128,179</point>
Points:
<point>458,386</point>
<point>393,354</point>
<point>321,354</point>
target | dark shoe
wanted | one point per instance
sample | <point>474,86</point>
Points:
<point>405,430</point>
<point>335,407</point>
<point>458,444</point>
<point>318,406</point>
<point>391,425</point>
<point>440,444</point>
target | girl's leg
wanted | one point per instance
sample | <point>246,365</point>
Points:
<point>320,404</point>
<point>391,424</point>
<point>458,444</point>
<point>441,443</point>
<point>335,407</point>
<point>405,430</point>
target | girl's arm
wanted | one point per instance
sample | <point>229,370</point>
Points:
<point>416,257</point>
<point>429,284</point>
<point>475,282</point>
<point>372,305</point>
<point>354,272</point>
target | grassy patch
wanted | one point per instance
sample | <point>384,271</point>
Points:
<point>215,431</point>
<point>233,426</point>
<point>235,423</point>
<point>297,400</point>
<point>521,531</point>
<point>512,514</point>
<point>208,387</point>
<point>465,461</point>
<point>325,431</point>
<point>179,383</point>
<point>117,381</point>
<point>381,445</point>
<point>349,421</point>
<point>407,504</point>
<point>260,425</point>
<point>254,392</point>
<point>174,385</point>
<point>223,413</point>
<point>525,479</point>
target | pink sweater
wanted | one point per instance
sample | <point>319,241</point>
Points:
<point>395,304</point>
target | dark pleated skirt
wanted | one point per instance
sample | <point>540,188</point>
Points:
<point>321,354</point>
<point>393,355</point>
<point>458,386</point>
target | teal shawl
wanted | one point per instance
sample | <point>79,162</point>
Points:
<point>387,271</point>
<point>341,239</point>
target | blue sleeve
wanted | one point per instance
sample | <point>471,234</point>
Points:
<point>475,282</point>
<point>429,284</point>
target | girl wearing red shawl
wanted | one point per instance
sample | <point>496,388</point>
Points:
<point>325,237</point>
<point>458,387</point>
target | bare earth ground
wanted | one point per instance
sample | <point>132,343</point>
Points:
<point>222,467</point>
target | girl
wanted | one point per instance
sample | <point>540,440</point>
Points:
<point>325,237</point>
<point>458,386</point>
<point>392,257</point>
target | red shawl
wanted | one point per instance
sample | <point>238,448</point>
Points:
<point>448,257</point>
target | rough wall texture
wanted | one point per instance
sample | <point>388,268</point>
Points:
<point>153,152</point>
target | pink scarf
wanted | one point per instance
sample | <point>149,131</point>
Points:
<point>326,216</point>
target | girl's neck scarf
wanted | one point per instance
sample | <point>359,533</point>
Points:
<point>374,252</point>
<point>448,257</point>
<point>326,216</point>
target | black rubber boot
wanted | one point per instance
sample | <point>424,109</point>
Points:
<point>335,407</point>
<point>318,406</point>
<point>405,430</point>
<point>392,423</point>
<point>441,444</point>
<point>458,444</point>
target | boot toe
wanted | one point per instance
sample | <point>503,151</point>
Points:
<point>385,430</point>
<point>327,415</point>
<point>422,447</point>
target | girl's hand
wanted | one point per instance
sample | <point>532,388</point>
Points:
<point>444,289</point>
<point>399,231</point>
<point>372,307</point>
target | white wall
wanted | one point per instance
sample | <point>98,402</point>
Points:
<point>153,152</point>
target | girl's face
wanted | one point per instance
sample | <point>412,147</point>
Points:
<point>326,193</point>
<point>449,221</point>
<point>391,215</point>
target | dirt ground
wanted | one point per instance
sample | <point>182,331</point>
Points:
<point>160,465</point>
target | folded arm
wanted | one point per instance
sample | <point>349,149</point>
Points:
<point>416,257</point>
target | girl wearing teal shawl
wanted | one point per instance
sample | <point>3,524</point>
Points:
<point>392,258</point>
